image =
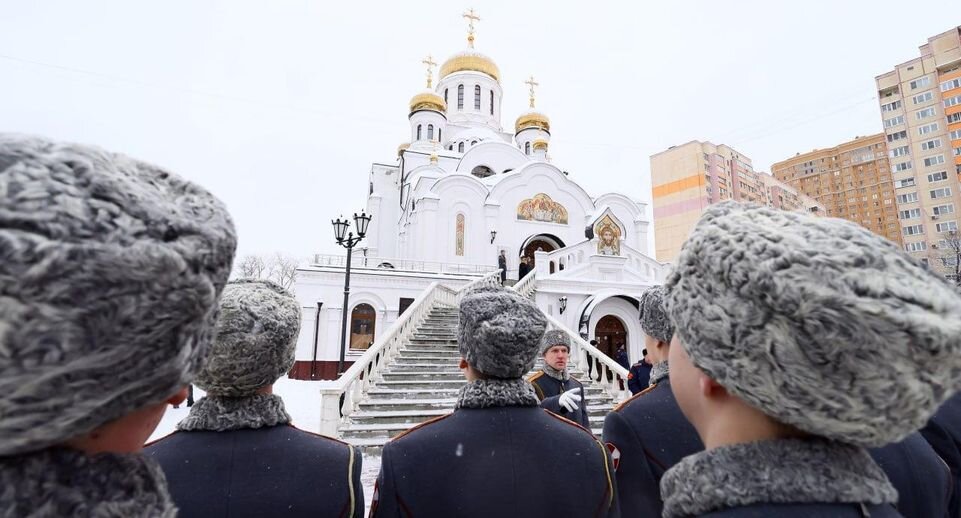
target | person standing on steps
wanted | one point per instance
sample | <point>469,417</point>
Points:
<point>502,264</point>
<point>524,268</point>
<point>558,391</point>
<point>639,376</point>
<point>498,453</point>
<point>236,452</point>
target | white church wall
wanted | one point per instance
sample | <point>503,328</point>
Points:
<point>498,156</point>
<point>628,315</point>
<point>468,114</point>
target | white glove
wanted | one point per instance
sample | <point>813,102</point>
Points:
<point>570,399</point>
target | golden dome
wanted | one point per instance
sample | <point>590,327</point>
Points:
<point>532,119</point>
<point>402,147</point>
<point>427,100</point>
<point>470,61</point>
<point>539,143</point>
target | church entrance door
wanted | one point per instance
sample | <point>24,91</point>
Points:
<point>610,335</point>
<point>541,242</point>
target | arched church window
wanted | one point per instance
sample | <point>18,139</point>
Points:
<point>492,102</point>
<point>460,97</point>
<point>459,236</point>
<point>527,148</point>
<point>418,132</point>
<point>445,95</point>
<point>460,147</point>
<point>482,171</point>
<point>362,320</point>
<point>450,147</point>
<point>477,100</point>
<point>430,132</point>
<point>439,136</point>
<point>473,143</point>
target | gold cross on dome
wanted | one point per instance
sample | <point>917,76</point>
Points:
<point>471,17</point>
<point>429,61</point>
<point>530,82</point>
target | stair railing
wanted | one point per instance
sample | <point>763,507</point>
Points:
<point>526,285</point>
<point>342,397</point>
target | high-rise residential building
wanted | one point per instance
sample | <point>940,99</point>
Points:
<point>686,179</point>
<point>852,180</point>
<point>920,103</point>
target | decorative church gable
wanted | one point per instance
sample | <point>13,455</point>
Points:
<point>607,232</point>
<point>542,208</point>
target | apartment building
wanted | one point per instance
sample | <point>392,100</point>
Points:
<point>920,103</point>
<point>851,180</point>
<point>688,178</point>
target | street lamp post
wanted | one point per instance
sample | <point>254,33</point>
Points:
<point>348,241</point>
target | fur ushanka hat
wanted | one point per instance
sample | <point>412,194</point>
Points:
<point>110,271</point>
<point>255,339</point>
<point>653,315</point>
<point>818,322</point>
<point>554,337</point>
<point>499,332</point>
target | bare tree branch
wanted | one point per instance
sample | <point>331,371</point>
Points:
<point>283,270</point>
<point>251,267</point>
<point>946,258</point>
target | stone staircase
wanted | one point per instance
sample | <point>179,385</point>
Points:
<point>422,381</point>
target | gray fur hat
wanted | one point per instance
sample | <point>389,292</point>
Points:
<point>110,271</point>
<point>653,315</point>
<point>554,337</point>
<point>499,332</point>
<point>255,341</point>
<point>817,322</point>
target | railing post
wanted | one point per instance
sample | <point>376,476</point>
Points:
<point>329,411</point>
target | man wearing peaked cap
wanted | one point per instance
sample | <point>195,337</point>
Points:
<point>800,341</point>
<point>648,433</point>
<point>498,453</point>
<point>236,453</point>
<point>110,271</point>
<point>558,391</point>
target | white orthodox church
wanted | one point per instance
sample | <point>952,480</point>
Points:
<point>460,193</point>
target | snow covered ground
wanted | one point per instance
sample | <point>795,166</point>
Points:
<point>302,400</point>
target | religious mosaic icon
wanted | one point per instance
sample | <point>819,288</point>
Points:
<point>542,208</point>
<point>609,236</point>
<point>459,239</point>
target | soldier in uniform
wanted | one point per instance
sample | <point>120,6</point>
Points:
<point>498,453</point>
<point>110,270</point>
<point>648,434</point>
<point>639,376</point>
<point>236,453</point>
<point>558,391</point>
<point>800,342</point>
<point>943,432</point>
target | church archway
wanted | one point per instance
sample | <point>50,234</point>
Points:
<point>610,334</point>
<point>543,242</point>
<point>362,321</point>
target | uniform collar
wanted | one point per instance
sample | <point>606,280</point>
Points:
<point>659,371</point>
<point>563,375</point>
<point>220,414</point>
<point>778,471</point>
<point>65,482</point>
<point>497,393</point>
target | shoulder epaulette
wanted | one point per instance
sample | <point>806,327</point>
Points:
<point>632,398</point>
<point>421,425</point>
<point>535,376</point>
<point>572,423</point>
<point>157,440</point>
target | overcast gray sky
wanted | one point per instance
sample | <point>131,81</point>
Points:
<point>279,107</point>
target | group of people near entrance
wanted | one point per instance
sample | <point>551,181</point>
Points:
<point>801,367</point>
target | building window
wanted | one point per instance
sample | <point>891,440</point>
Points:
<point>439,137</point>
<point>903,134</point>
<point>922,98</point>
<point>952,101</point>
<point>903,166</point>
<point>938,177</point>
<point>459,236</point>
<point>916,247</point>
<point>947,226</point>
<point>913,230</point>
<point>418,131</point>
<point>890,106</point>
<point>910,197</point>
<point>460,147</point>
<point>920,82</point>
<point>907,182</point>
<point>900,151</point>
<point>941,210</point>
<point>527,148</point>
<point>956,134</point>
<point>477,99</point>
<point>460,97</point>
<point>492,102</point>
<point>951,84</point>
<point>957,151</point>
<point>430,132</point>
<point>943,192</point>
<point>925,113</point>
<point>954,117</point>
<point>931,144</point>
<point>910,214</point>
<point>894,121</point>
<point>928,128</point>
<point>933,160</point>
<point>362,321</point>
